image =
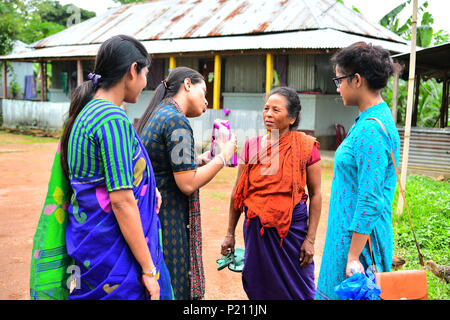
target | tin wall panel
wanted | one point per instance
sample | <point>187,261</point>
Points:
<point>429,150</point>
<point>245,73</point>
<point>301,72</point>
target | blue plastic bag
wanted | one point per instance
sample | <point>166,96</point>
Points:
<point>359,286</point>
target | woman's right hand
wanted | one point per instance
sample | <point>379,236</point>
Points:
<point>151,286</point>
<point>228,245</point>
<point>227,147</point>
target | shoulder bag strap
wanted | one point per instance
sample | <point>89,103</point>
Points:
<point>404,201</point>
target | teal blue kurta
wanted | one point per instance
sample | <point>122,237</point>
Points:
<point>362,190</point>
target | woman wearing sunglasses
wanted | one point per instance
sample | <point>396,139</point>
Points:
<point>364,177</point>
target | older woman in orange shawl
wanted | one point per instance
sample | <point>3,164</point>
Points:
<point>279,232</point>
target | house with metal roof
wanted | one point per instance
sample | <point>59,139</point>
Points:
<point>242,47</point>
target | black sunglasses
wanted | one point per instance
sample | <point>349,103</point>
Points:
<point>338,81</point>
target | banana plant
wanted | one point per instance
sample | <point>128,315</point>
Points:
<point>425,33</point>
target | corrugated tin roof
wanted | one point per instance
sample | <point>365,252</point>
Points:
<point>178,19</point>
<point>314,39</point>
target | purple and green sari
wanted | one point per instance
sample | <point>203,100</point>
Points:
<point>104,155</point>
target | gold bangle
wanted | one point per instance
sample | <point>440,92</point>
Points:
<point>309,240</point>
<point>150,274</point>
<point>229,236</point>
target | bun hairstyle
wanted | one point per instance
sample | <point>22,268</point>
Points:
<point>114,59</point>
<point>167,89</point>
<point>293,105</point>
<point>372,62</point>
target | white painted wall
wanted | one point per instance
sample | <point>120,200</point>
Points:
<point>22,113</point>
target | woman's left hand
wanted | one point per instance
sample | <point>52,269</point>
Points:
<point>353,266</point>
<point>203,158</point>
<point>306,254</point>
<point>158,200</point>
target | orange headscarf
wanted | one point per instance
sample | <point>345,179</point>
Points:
<point>272,189</point>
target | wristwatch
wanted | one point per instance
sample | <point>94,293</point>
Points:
<point>151,274</point>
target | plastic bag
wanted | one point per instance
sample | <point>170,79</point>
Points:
<point>359,286</point>
<point>221,128</point>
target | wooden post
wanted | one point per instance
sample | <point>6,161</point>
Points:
<point>45,82</point>
<point>395,92</point>
<point>5,80</point>
<point>217,78</point>
<point>172,63</point>
<point>412,71</point>
<point>42,76</point>
<point>415,109</point>
<point>444,103</point>
<point>269,73</point>
<point>79,72</point>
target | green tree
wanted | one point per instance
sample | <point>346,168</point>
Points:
<point>32,20</point>
<point>425,33</point>
<point>11,12</point>
<point>430,92</point>
<point>47,17</point>
<point>54,12</point>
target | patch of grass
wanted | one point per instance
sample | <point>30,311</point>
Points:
<point>226,176</point>
<point>327,173</point>
<point>429,205</point>
<point>10,138</point>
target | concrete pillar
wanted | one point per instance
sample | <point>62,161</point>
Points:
<point>172,63</point>
<point>269,73</point>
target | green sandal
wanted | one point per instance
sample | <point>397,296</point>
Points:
<point>225,260</point>
<point>238,260</point>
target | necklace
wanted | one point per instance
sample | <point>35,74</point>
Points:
<point>173,102</point>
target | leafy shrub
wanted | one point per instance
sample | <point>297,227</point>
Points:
<point>429,205</point>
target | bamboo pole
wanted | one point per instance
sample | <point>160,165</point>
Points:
<point>409,102</point>
<point>217,78</point>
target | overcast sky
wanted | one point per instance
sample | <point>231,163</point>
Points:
<point>373,10</point>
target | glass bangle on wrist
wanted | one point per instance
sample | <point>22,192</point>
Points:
<point>223,159</point>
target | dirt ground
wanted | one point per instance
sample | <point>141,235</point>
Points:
<point>25,165</point>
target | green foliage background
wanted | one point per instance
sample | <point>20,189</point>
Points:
<point>429,204</point>
<point>430,95</point>
<point>32,20</point>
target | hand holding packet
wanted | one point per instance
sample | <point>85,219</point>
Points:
<point>222,130</point>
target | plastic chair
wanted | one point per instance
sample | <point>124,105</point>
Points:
<point>135,122</point>
<point>340,134</point>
